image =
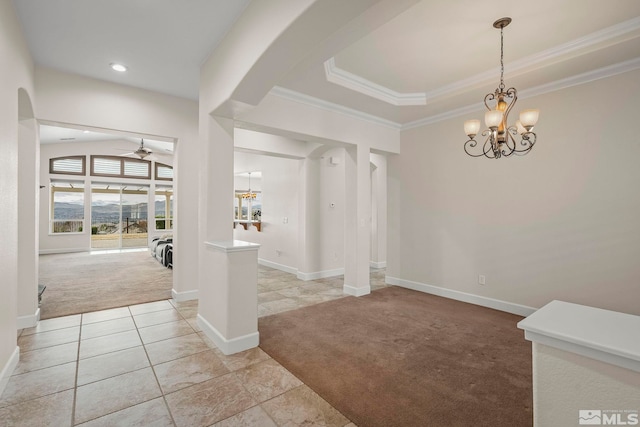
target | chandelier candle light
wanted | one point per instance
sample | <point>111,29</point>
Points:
<point>500,138</point>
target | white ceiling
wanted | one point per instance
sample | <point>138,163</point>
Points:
<point>57,134</point>
<point>445,51</point>
<point>162,42</point>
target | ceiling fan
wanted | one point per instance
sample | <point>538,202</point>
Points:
<point>141,151</point>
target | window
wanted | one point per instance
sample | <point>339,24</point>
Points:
<point>164,208</point>
<point>67,207</point>
<point>121,167</point>
<point>164,172</point>
<point>72,165</point>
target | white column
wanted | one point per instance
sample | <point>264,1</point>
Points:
<point>228,280</point>
<point>308,224</point>
<point>187,239</point>
<point>28,196</point>
<point>228,308</point>
<point>357,221</point>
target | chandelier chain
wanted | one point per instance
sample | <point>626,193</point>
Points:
<point>501,59</point>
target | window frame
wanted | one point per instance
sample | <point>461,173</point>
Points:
<point>54,159</point>
<point>158,165</point>
<point>122,161</point>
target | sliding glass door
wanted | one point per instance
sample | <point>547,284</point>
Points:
<point>119,216</point>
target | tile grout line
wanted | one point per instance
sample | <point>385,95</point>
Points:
<point>144,347</point>
<point>75,382</point>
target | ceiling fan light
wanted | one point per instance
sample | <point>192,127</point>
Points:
<point>471,128</point>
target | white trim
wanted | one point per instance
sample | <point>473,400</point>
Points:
<point>234,345</point>
<point>356,292</point>
<point>359,84</point>
<point>592,353</point>
<point>8,369</point>
<point>63,251</point>
<point>603,335</point>
<point>29,321</point>
<point>320,274</point>
<point>530,63</point>
<point>184,296</point>
<point>277,266</point>
<point>521,310</point>
<point>301,98</point>
<point>587,77</point>
<point>378,264</point>
<point>232,246</point>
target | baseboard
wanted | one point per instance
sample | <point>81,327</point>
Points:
<point>521,310</point>
<point>378,264</point>
<point>356,292</point>
<point>184,296</point>
<point>320,274</point>
<point>277,266</point>
<point>63,251</point>
<point>29,321</point>
<point>234,345</point>
<point>8,369</point>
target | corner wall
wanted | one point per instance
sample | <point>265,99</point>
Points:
<point>16,73</point>
<point>560,223</point>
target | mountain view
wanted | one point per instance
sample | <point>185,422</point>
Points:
<point>105,212</point>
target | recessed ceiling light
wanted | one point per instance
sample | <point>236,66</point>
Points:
<point>118,67</point>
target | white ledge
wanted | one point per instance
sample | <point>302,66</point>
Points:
<point>604,335</point>
<point>232,246</point>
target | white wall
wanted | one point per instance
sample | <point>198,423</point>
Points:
<point>16,73</point>
<point>70,242</point>
<point>565,383</point>
<point>560,223</point>
<point>279,186</point>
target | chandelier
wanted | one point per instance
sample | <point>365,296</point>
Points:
<point>501,138</point>
<point>249,194</point>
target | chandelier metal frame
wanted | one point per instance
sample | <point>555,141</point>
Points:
<point>500,138</point>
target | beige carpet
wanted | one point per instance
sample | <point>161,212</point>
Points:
<point>398,357</point>
<point>83,282</point>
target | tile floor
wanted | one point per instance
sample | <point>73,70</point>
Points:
<point>150,365</point>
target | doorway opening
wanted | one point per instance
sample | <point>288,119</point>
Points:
<point>119,216</point>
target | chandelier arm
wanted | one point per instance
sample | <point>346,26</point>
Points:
<point>510,144</point>
<point>472,143</point>
<point>528,140</point>
<point>488,150</point>
<point>489,97</point>
<point>511,93</point>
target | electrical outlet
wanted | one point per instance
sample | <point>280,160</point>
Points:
<point>481,280</point>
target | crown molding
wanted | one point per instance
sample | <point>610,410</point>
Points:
<point>600,73</point>
<point>367,87</point>
<point>589,76</point>
<point>294,96</point>
<point>530,63</point>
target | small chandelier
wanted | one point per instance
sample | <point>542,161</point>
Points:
<point>500,138</point>
<point>249,194</point>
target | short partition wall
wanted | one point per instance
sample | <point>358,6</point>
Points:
<point>586,365</point>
